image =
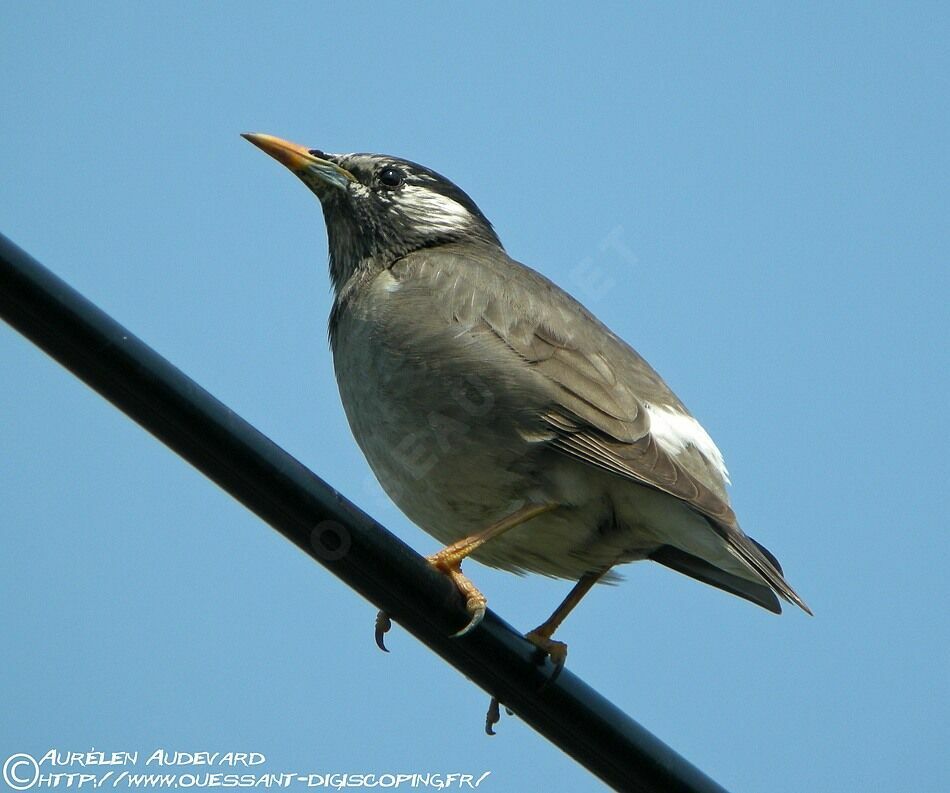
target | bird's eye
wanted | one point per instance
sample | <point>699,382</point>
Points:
<point>391,177</point>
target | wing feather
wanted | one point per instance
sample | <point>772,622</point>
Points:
<point>598,388</point>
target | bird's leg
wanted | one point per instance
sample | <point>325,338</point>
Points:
<point>449,561</point>
<point>540,637</point>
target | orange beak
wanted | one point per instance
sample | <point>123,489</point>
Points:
<point>299,160</point>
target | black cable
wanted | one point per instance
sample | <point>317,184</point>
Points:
<point>332,530</point>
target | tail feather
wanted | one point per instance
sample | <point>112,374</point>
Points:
<point>701,570</point>
<point>764,564</point>
<point>765,579</point>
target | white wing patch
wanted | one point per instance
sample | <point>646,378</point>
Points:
<point>674,431</point>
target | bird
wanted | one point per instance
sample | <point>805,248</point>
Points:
<point>498,413</point>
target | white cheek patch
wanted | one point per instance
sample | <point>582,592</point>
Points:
<point>433,210</point>
<point>675,431</point>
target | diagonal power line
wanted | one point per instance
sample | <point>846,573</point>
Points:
<point>332,530</point>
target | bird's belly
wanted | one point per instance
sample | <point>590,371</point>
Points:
<point>430,439</point>
<point>443,447</point>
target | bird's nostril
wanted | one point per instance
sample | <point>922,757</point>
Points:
<point>318,153</point>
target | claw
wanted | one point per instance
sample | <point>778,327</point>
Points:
<point>556,651</point>
<point>493,716</point>
<point>477,610</point>
<point>475,602</point>
<point>559,660</point>
<point>383,624</point>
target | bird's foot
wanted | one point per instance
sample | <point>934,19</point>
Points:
<point>476,603</point>
<point>383,624</point>
<point>540,637</point>
<point>555,650</point>
<point>494,715</point>
<point>449,561</point>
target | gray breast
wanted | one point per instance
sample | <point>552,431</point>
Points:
<point>432,427</point>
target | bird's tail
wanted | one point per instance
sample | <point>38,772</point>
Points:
<point>765,565</point>
<point>753,556</point>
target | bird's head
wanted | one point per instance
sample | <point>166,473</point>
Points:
<point>379,208</point>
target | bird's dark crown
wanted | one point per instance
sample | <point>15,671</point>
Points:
<point>389,209</point>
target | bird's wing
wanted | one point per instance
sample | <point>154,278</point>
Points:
<point>602,400</point>
<point>644,461</point>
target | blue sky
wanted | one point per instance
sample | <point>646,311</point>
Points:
<point>755,196</point>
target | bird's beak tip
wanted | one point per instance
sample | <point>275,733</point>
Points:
<point>254,137</point>
<point>291,155</point>
<point>298,159</point>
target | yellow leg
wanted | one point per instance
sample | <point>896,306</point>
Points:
<point>540,637</point>
<point>449,561</point>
